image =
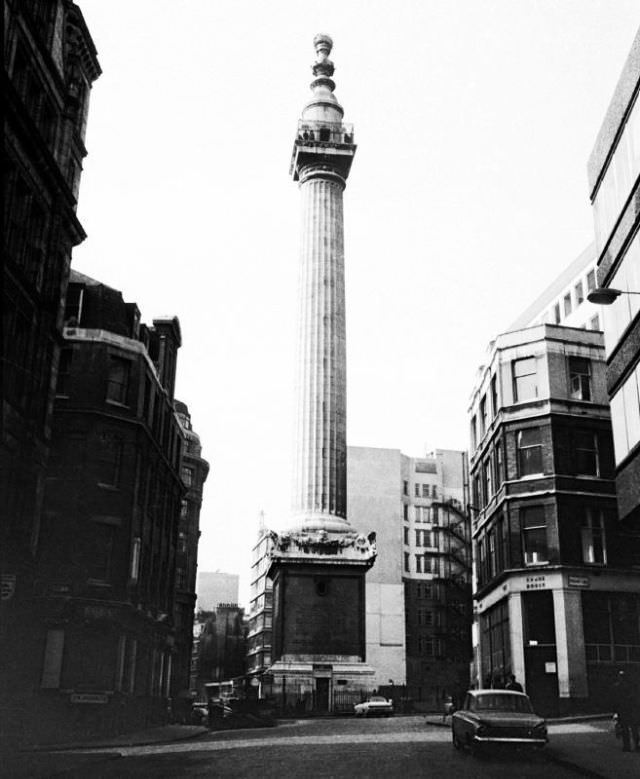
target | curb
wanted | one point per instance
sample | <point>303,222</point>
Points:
<point>113,745</point>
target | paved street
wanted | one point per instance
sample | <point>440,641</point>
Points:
<point>401,747</point>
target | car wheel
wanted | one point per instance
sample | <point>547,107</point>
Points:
<point>474,748</point>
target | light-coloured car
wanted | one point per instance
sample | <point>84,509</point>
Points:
<point>489,717</point>
<point>376,704</point>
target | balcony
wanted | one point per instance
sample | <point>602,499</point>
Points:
<point>324,133</point>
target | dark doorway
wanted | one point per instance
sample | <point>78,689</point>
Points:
<point>540,652</point>
<point>322,694</point>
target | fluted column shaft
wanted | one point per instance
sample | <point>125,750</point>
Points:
<point>319,483</point>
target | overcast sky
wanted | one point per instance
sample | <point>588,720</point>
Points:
<point>474,120</point>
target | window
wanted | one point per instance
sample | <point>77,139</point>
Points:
<point>556,314</point>
<point>99,551</point>
<point>109,460</point>
<point>579,378</point>
<point>187,476</point>
<point>425,490</point>
<point>567,304</point>
<point>417,490</point>
<point>593,539</point>
<point>434,515</point>
<point>118,381</point>
<point>497,461</point>
<point>406,536</point>
<point>525,384</point>
<point>52,665</point>
<point>135,559</point>
<point>419,561</point>
<point>591,281</point>
<point>529,445</point>
<point>434,491</point>
<point>594,323</point>
<point>492,559</point>
<point>625,415</point>
<point>474,436</point>
<point>73,306</point>
<point>405,512</point>
<point>483,416</point>
<point>578,293</point>
<point>494,395</point>
<point>534,535</point>
<point>488,484</point>
<point>419,513</point>
<point>405,487</point>
<point>64,372</point>
<point>425,617</point>
<point>406,562</point>
<point>585,453</point>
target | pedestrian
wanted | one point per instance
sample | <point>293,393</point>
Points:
<point>449,708</point>
<point>627,705</point>
<point>513,684</point>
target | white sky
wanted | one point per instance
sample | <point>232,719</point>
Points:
<point>468,194</point>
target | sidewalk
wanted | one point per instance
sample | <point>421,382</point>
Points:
<point>585,745</point>
<point>47,761</point>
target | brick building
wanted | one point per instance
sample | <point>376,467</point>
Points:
<point>614,186</point>
<point>194,471</point>
<point>557,598</point>
<point>103,626</point>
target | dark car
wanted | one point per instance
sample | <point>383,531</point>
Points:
<point>497,717</point>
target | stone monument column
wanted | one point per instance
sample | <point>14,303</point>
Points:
<point>318,566</point>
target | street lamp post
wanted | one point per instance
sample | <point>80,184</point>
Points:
<point>605,296</point>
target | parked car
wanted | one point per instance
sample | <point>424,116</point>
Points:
<point>199,713</point>
<point>496,717</point>
<point>376,704</point>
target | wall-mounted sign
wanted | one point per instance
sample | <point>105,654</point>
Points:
<point>536,582</point>
<point>578,581</point>
<point>550,668</point>
<point>89,697</point>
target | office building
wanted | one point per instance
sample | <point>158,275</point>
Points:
<point>216,587</point>
<point>614,186</point>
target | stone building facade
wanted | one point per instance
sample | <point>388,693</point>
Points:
<point>50,65</point>
<point>556,595</point>
<point>104,623</point>
<point>614,186</point>
<point>194,470</point>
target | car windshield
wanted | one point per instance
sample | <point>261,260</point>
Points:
<point>493,702</point>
